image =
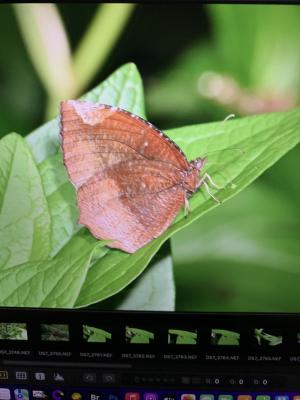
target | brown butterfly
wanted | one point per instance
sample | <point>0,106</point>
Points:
<point>131,179</point>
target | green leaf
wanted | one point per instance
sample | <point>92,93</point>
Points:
<point>61,199</point>
<point>51,283</point>
<point>264,139</point>
<point>24,215</point>
<point>238,151</point>
<point>113,272</point>
<point>153,290</point>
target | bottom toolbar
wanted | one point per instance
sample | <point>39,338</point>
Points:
<point>23,392</point>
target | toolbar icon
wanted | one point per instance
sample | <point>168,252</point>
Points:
<point>150,396</point>
<point>244,397</point>
<point>188,396</point>
<point>95,396</point>
<point>108,378</point>
<point>113,397</point>
<point>185,380</point>
<point>21,375</point>
<point>4,394</point>
<point>89,377</point>
<point>39,394</point>
<point>225,397</point>
<point>76,396</point>
<point>21,394</point>
<point>58,377</point>
<point>3,374</point>
<point>265,397</point>
<point>132,396</point>
<point>169,397</point>
<point>40,376</point>
<point>207,397</point>
<point>58,394</point>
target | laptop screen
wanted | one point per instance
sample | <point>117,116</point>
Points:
<point>102,355</point>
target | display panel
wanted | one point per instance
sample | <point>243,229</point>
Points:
<point>53,354</point>
<point>219,60</point>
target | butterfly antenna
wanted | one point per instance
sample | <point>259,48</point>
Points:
<point>229,117</point>
<point>230,148</point>
<point>186,207</point>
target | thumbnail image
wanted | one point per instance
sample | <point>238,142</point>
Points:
<point>179,336</point>
<point>137,335</point>
<point>298,338</point>
<point>96,335</point>
<point>13,331</point>
<point>223,337</point>
<point>269,338</point>
<point>55,332</point>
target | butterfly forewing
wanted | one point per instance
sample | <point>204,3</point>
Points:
<point>94,137</point>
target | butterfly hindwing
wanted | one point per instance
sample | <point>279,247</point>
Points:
<point>133,209</point>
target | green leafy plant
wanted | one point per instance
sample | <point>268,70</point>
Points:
<point>97,335</point>
<point>263,337</point>
<point>47,260</point>
<point>55,332</point>
<point>223,337</point>
<point>13,331</point>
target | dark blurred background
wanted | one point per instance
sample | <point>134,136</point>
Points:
<point>198,63</point>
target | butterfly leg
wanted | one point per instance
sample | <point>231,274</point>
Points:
<point>208,177</point>
<point>209,192</point>
<point>186,206</point>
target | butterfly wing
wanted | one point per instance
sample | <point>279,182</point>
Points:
<point>95,137</point>
<point>133,208</point>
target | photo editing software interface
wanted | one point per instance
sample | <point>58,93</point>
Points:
<point>102,355</point>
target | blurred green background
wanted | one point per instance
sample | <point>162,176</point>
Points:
<point>199,63</point>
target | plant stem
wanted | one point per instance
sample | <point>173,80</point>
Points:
<point>101,36</point>
<point>47,45</point>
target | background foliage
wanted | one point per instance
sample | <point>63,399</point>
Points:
<point>226,58</point>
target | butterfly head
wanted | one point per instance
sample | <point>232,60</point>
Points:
<point>198,163</point>
<point>192,179</point>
